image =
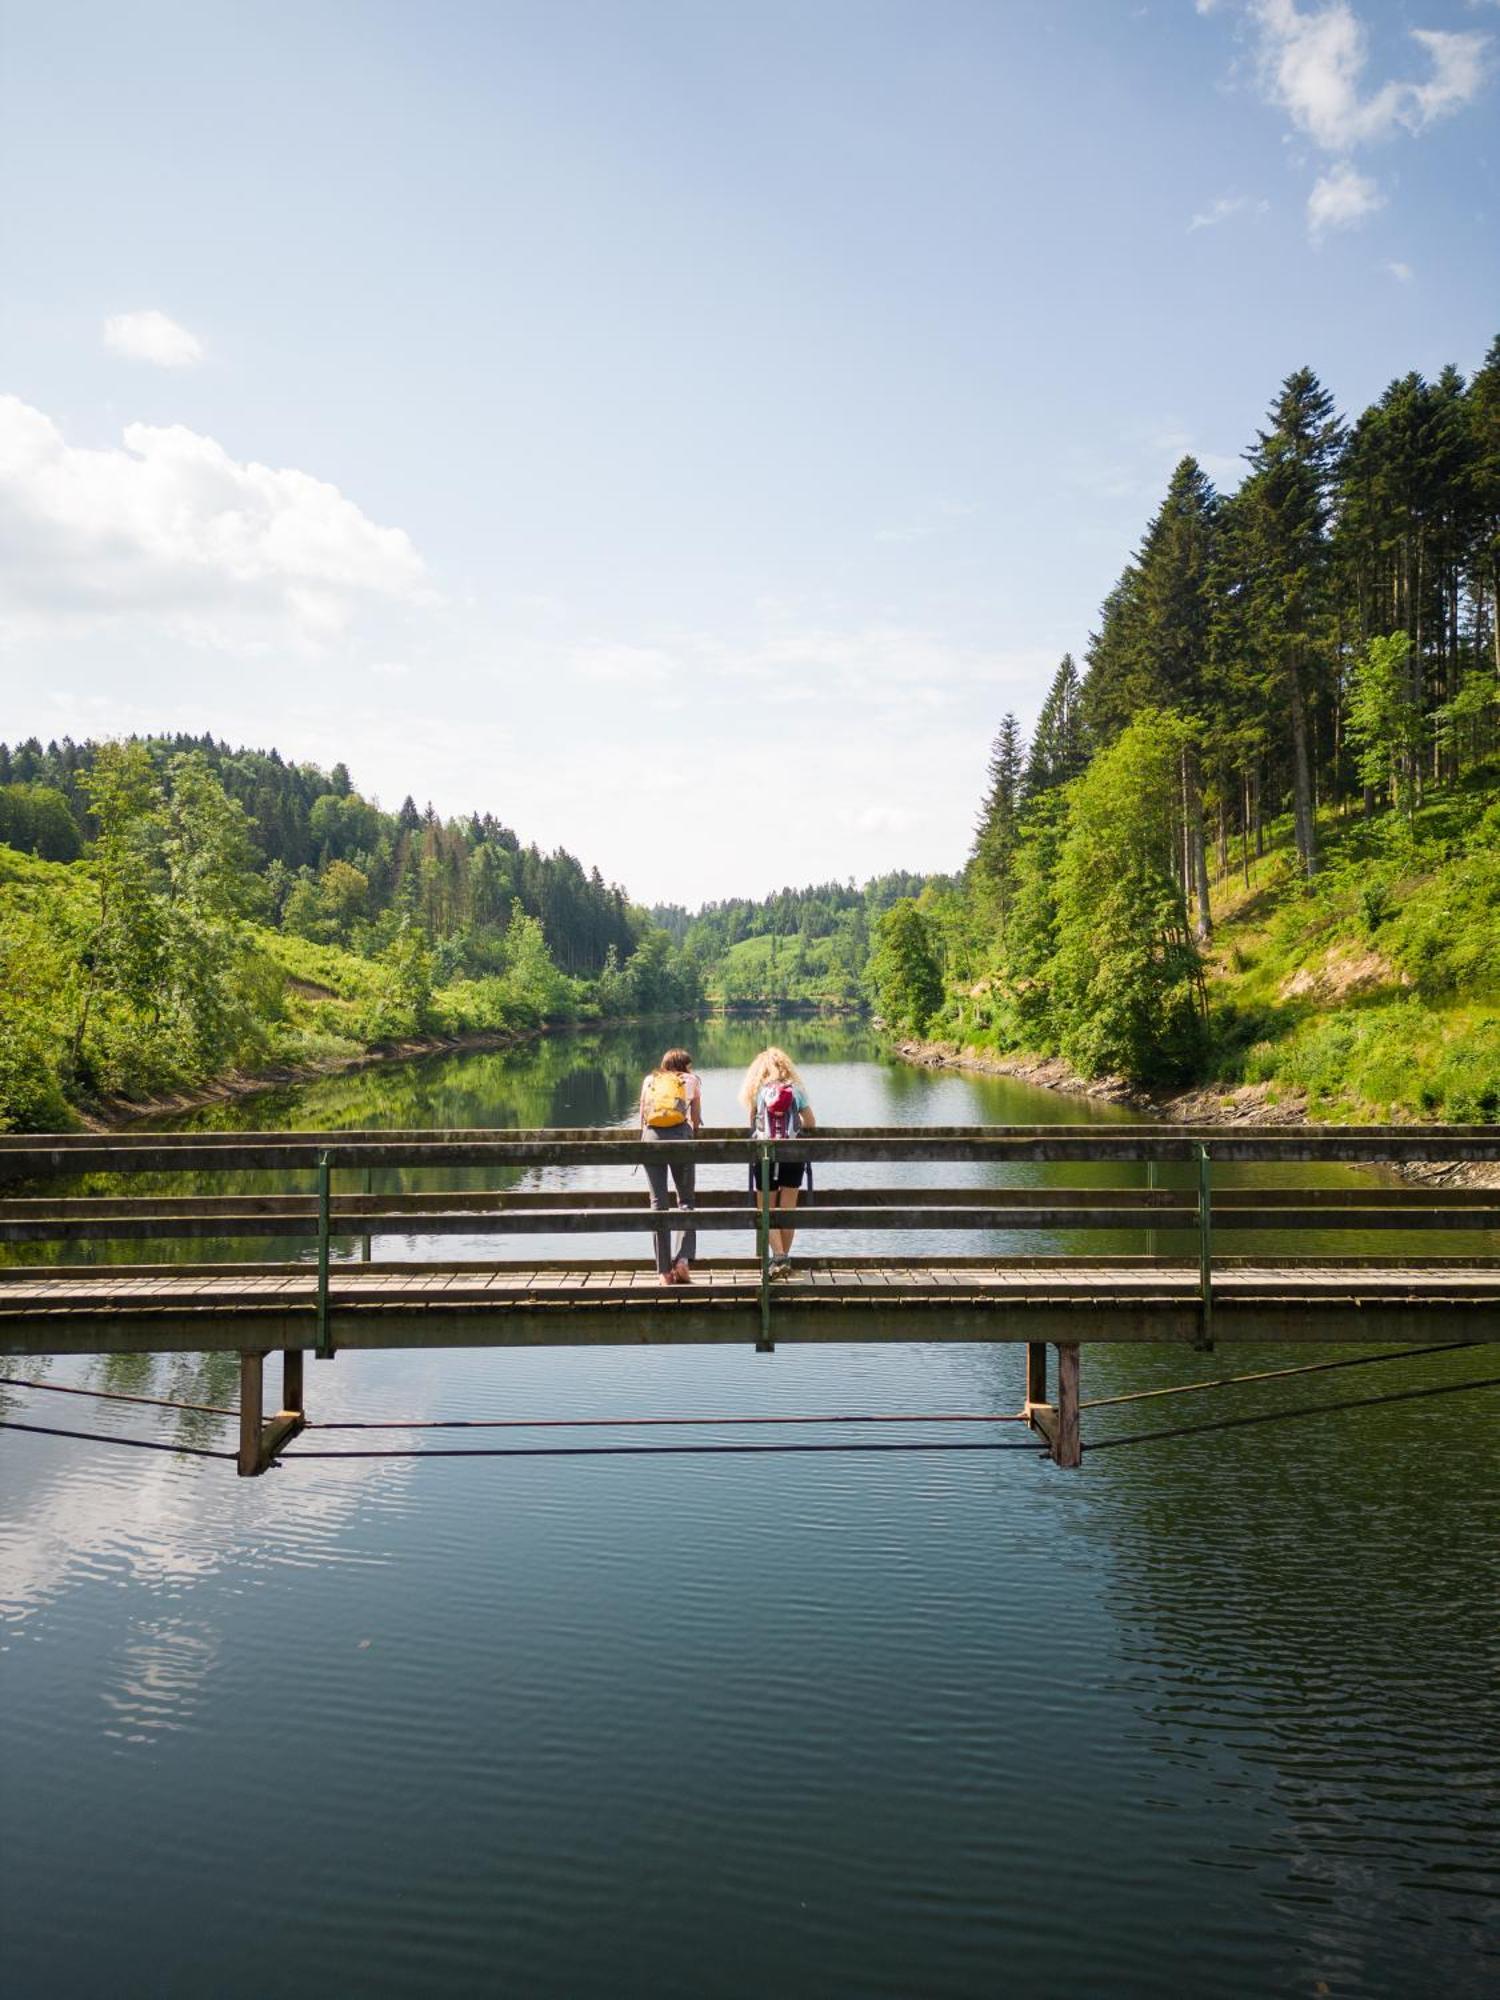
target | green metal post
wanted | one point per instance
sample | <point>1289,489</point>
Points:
<point>1205,1249</point>
<point>765,1345</point>
<point>325,1183</point>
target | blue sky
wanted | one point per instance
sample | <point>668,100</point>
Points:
<point>683,429</point>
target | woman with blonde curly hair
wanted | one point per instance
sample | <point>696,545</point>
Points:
<point>776,1098</point>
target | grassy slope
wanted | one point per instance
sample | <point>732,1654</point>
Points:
<point>1375,989</point>
<point>1373,992</point>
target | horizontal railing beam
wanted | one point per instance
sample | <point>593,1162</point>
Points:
<point>1152,1202</point>
<point>988,1145</point>
<point>926,1216</point>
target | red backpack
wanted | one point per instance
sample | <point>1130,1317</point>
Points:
<point>776,1114</point>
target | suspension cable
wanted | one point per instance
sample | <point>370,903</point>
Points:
<point>103,1437</point>
<point>1305,1410</point>
<point>1276,1374</point>
<point>118,1396</point>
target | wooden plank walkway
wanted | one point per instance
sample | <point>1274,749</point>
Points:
<point>517,1305</point>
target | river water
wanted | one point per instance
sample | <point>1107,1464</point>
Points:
<point>1217,1716</point>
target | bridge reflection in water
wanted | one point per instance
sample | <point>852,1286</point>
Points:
<point>1206,1294</point>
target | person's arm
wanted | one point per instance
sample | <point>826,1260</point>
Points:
<point>695,1104</point>
<point>809,1122</point>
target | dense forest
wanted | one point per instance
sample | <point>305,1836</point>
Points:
<point>333,867</point>
<point>1287,717</point>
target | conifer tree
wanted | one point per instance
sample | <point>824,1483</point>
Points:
<point>1059,745</point>
<point>995,837</point>
<point>1286,511</point>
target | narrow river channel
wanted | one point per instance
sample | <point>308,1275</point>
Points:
<point>1219,1716</point>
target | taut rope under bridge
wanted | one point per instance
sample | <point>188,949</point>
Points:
<point>1192,1286</point>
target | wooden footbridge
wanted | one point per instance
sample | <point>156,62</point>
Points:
<point>328,1291</point>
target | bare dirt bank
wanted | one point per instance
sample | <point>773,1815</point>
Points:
<point>1212,1104</point>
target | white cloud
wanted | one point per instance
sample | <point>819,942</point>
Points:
<point>1313,65</point>
<point>172,530</point>
<point>151,336</point>
<point>1402,273</point>
<point>1341,199</point>
<point>1226,206</point>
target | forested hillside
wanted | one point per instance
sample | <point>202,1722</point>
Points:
<point>809,946</point>
<point>1287,718</point>
<point>174,910</point>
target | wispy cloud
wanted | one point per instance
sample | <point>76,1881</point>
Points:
<point>1313,65</point>
<point>1342,199</point>
<point>151,336</point>
<point>1227,206</point>
<point>1402,273</point>
<point>1313,61</point>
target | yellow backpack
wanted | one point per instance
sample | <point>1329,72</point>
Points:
<point>666,1098</point>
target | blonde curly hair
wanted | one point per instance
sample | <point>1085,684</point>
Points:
<point>770,1066</point>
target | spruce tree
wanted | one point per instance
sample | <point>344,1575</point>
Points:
<point>995,837</point>
<point>1286,500</point>
<point>1059,746</point>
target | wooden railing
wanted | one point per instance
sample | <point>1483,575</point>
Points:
<point>325,1214</point>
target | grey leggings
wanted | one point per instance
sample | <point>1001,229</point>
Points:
<point>684,1174</point>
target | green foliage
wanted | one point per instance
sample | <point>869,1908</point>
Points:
<point>1126,976</point>
<point>904,969</point>
<point>1385,719</point>
<point>37,819</point>
<point>533,976</point>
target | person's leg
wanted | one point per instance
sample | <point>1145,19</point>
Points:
<point>685,1174</point>
<point>788,1200</point>
<point>656,1174</point>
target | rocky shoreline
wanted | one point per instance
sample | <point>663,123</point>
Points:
<point>1222,1104</point>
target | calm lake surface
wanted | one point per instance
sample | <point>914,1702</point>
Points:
<point>1219,1716</point>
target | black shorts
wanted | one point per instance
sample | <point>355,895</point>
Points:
<point>784,1173</point>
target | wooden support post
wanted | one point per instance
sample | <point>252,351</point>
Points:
<point>364,1253</point>
<point>1205,1338</point>
<point>1036,1372</point>
<point>252,1397</point>
<point>291,1380</point>
<point>765,1344</point>
<point>325,1180</point>
<point>1067,1444</point>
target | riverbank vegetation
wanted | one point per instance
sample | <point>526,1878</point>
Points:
<point>172,912</point>
<point>1257,837</point>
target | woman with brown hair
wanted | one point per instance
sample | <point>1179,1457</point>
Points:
<point>671,1109</point>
